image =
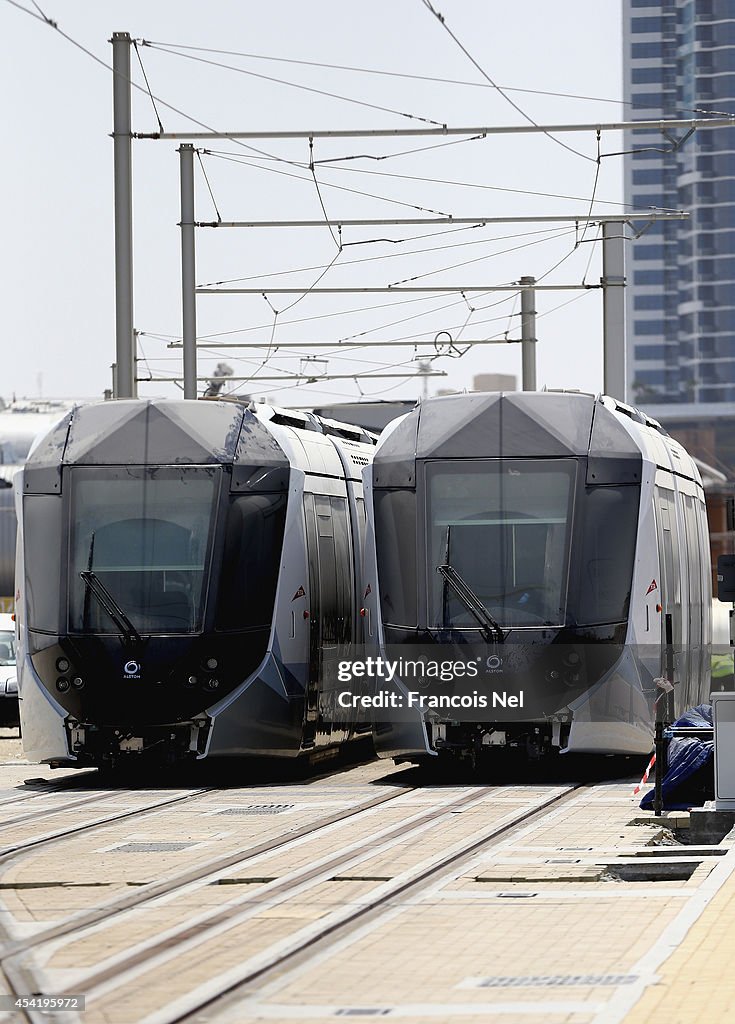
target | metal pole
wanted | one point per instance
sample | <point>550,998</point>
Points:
<point>188,276</point>
<point>613,306</point>
<point>528,333</point>
<point>122,143</point>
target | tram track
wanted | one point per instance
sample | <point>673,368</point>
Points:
<point>50,812</point>
<point>9,852</point>
<point>313,942</point>
<point>195,931</point>
<point>15,965</point>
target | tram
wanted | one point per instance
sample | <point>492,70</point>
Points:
<point>185,570</point>
<point>562,538</point>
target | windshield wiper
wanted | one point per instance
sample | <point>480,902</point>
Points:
<point>127,630</point>
<point>490,629</point>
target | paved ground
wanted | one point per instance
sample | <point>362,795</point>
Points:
<point>363,892</point>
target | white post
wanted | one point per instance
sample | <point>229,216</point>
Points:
<point>613,306</point>
<point>528,334</point>
<point>122,142</point>
<point>188,275</point>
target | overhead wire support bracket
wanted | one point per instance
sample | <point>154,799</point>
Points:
<point>651,214</point>
<point>676,144</point>
<point>662,125</point>
<point>398,289</point>
<point>339,345</point>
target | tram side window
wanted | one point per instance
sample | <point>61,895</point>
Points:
<point>608,552</point>
<point>694,658</point>
<point>361,521</point>
<point>327,571</point>
<point>695,576</point>
<point>343,554</point>
<point>42,516</point>
<point>395,537</point>
<point>251,560</point>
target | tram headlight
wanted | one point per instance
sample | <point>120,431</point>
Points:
<point>211,664</point>
<point>62,664</point>
<point>78,683</point>
<point>192,681</point>
<point>62,685</point>
<point>212,684</point>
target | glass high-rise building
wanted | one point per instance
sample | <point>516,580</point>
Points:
<point>679,57</point>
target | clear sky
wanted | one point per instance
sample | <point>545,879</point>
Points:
<point>58,319</point>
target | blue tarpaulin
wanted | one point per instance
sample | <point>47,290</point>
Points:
<point>689,778</point>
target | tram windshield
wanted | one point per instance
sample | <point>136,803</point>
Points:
<point>504,527</point>
<point>145,534</point>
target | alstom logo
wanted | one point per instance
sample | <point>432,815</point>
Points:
<point>131,670</point>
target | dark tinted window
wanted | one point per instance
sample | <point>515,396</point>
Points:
<point>327,571</point>
<point>607,553</point>
<point>648,50</point>
<point>251,560</point>
<point>42,521</point>
<point>395,535</point>
<point>345,574</point>
<point>641,327</point>
<point>648,277</point>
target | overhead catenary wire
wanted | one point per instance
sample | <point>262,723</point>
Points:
<point>319,195</point>
<point>594,188</point>
<point>338,313</point>
<point>161,48</point>
<point>383,390</point>
<point>400,255</point>
<point>148,91</point>
<point>324,316</point>
<point>234,158</point>
<point>414,77</point>
<point>442,21</point>
<point>209,186</point>
<point>147,85</point>
<point>237,137</point>
<point>329,165</point>
<point>133,84</point>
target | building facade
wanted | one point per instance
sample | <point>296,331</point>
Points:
<point>679,61</point>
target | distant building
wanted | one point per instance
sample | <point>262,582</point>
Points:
<point>711,441</point>
<point>495,382</point>
<point>679,60</point>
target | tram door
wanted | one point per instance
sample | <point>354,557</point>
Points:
<point>670,582</point>
<point>331,585</point>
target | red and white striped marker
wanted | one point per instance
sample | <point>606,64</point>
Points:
<point>646,773</point>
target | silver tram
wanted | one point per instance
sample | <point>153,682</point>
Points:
<point>185,570</point>
<point>564,536</point>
